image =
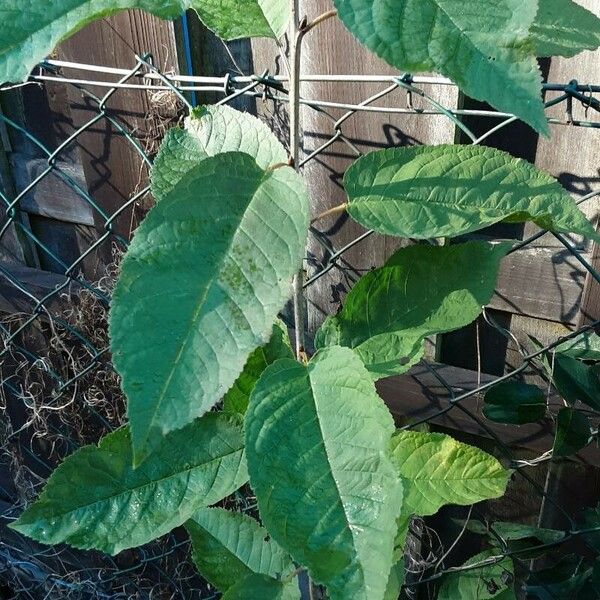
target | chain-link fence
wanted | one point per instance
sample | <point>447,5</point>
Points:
<point>59,390</point>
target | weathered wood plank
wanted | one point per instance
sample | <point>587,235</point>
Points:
<point>546,283</point>
<point>419,394</point>
<point>571,153</point>
<point>113,169</point>
<point>331,49</point>
<point>590,303</point>
<point>52,196</point>
<point>37,283</point>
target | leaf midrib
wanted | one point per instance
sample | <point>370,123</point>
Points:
<point>198,311</point>
<point>349,525</point>
<point>150,483</point>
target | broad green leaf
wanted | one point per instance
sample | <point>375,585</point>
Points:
<point>234,19</point>
<point>437,470</point>
<point>483,583</point>
<point>584,347</point>
<point>564,28</point>
<point>200,287</point>
<point>516,531</point>
<point>573,432</point>
<point>317,439</point>
<point>211,130</point>
<point>422,290</point>
<point>237,398</point>
<point>515,402</point>
<point>96,499</point>
<point>395,581</point>
<point>575,381</point>
<point>32,28</point>
<point>485,50</point>
<point>427,192</point>
<point>260,587</point>
<point>396,576</point>
<point>228,547</point>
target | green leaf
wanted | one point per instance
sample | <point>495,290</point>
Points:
<point>397,573</point>
<point>234,19</point>
<point>211,130</point>
<point>237,398</point>
<point>96,499</point>
<point>200,287</point>
<point>516,531</point>
<point>229,546</point>
<point>573,432</point>
<point>260,587</point>
<point>317,439</point>
<point>575,381</point>
<point>515,402</point>
<point>564,28</point>
<point>32,28</point>
<point>485,50</point>
<point>427,192</point>
<point>395,581</point>
<point>483,583</point>
<point>584,347</point>
<point>437,470</point>
<point>422,290</point>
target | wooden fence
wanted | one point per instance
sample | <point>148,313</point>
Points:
<point>542,291</point>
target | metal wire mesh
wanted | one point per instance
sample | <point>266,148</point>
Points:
<point>66,393</point>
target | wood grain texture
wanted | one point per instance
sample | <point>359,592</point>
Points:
<point>330,49</point>
<point>38,284</point>
<point>419,394</point>
<point>52,196</point>
<point>113,169</point>
<point>546,283</point>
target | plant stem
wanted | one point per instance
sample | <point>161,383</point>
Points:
<point>296,36</point>
<point>300,27</point>
<point>327,15</point>
<point>336,210</point>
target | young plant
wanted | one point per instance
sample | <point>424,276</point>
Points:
<point>194,314</point>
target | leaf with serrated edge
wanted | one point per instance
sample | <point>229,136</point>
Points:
<point>585,346</point>
<point>228,546</point>
<point>96,499</point>
<point>422,290</point>
<point>485,50</point>
<point>444,191</point>
<point>200,287</point>
<point>576,380</point>
<point>573,432</point>
<point>564,28</point>
<point>483,583</point>
<point>211,130</point>
<point>237,398</point>
<point>317,438</point>
<point>437,470</point>
<point>32,28</point>
<point>260,587</point>
<point>514,531</point>
<point>234,19</point>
